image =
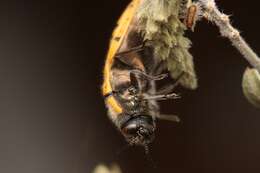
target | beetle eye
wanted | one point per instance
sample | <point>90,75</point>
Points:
<point>130,129</point>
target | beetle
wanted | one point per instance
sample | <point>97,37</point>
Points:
<point>130,74</point>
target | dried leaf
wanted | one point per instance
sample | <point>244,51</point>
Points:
<point>251,86</point>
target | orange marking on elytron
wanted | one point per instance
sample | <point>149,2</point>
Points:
<point>115,43</point>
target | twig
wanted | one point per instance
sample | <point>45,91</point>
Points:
<point>212,13</point>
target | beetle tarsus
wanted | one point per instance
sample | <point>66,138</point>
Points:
<point>162,96</point>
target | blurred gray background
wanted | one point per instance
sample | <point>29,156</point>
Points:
<point>52,115</point>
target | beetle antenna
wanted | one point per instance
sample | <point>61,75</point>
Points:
<point>146,150</point>
<point>148,156</point>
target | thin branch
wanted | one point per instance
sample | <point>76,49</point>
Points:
<point>212,13</point>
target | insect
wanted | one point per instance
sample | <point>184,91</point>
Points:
<point>191,16</point>
<point>132,69</point>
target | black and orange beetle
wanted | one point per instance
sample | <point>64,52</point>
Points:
<point>133,66</point>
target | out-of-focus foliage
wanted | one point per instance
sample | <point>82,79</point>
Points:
<point>104,169</point>
<point>251,86</point>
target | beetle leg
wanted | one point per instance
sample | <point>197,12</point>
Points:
<point>137,75</point>
<point>171,87</point>
<point>162,96</point>
<point>135,81</point>
<point>131,50</point>
<point>148,77</point>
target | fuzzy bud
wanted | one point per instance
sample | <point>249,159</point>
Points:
<point>251,86</point>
